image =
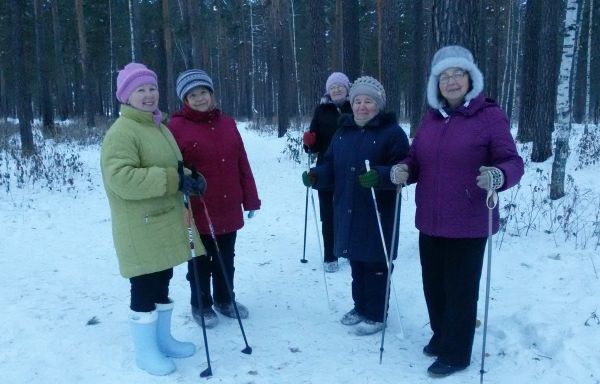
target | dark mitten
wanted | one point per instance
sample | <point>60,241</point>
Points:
<point>369,179</point>
<point>309,178</point>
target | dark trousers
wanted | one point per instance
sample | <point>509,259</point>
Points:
<point>326,213</point>
<point>147,290</point>
<point>368,289</point>
<point>451,271</point>
<point>208,267</point>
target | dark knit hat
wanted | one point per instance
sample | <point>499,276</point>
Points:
<point>367,85</point>
<point>190,79</point>
<point>132,76</point>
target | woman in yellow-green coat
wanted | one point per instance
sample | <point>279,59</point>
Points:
<point>144,185</point>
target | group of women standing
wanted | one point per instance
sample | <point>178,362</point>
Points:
<point>463,151</point>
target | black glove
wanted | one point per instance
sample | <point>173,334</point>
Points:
<point>191,185</point>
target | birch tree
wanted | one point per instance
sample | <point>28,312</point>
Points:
<point>563,100</point>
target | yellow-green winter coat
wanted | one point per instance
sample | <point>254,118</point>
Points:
<point>139,170</point>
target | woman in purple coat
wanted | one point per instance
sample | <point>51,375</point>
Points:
<point>462,149</point>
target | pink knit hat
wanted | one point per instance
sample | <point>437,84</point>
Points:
<point>132,76</point>
<point>337,78</point>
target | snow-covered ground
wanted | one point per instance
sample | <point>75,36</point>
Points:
<point>59,271</point>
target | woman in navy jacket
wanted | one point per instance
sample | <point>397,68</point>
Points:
<point>368,134</point>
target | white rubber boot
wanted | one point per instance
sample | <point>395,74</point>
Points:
<point>147,355</point>
<point>166,343</point>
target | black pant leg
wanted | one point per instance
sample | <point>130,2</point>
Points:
<point>227,253</point>
<point>326,213</point>
<point>358,278</point>
<point>202,267</point>
<point>432,271</point>
<point>375,284</point>
<point>149,289</point>
<point>464,261</point>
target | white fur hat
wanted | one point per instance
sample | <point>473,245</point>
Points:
<point>448,57</point>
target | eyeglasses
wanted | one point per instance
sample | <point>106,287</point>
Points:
<point>456,76</point>
<point>334,88</point>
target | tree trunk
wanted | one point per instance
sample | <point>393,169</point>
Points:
<point>63,100</point>
<point>419,67</point>
<point>21,88</point>
<point>351,40</point>
<point>316,20</point>
<point>389,38</point>
<point>337,48</point>
<point>195,33</point>
<point>168,38</point>
<point>44,100</point>
<point>546,81</point>
<point>86,89</point>
<point>456,22</point>
<point>572,25</point>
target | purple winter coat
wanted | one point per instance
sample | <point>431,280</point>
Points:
<point>444,159</point>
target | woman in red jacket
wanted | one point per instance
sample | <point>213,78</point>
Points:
<point>210,143</point>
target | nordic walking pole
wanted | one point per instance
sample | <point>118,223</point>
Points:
<point>247,350</point>
<point>312,199</point>
<point>389,274</point>
<point>303,260</point>
<point>188,218</point>
<point>491,201</point>
<point>387,260</point>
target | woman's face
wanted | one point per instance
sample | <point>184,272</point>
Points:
<point>454,85</point>
<point>364,108</point>
<point>200,99</point>
<point>145,98</point>
<point>337,92</point>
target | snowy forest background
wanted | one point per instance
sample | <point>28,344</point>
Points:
<point>269,59</point>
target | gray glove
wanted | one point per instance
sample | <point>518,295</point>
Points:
<point>399,174</point>
<point>490,178</point>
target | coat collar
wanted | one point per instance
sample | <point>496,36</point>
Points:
<point>197,116</point>
<point>137,115</point>
<point>382,119</point>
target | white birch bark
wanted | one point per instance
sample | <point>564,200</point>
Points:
<point>563,101</point>
<point>131,36</point>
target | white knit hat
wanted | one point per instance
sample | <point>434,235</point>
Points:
<point>449,57</point>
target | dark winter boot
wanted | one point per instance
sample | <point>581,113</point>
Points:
<point>439,369</point>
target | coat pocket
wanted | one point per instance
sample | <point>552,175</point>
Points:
<point>155,215</point>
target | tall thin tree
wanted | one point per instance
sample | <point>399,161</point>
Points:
<point>572,26</point>
<point>21,88</point>
<point>86,89</point>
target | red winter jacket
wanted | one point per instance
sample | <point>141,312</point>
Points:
<point>210,142</point>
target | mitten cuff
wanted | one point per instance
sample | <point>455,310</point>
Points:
<point>496,178</point>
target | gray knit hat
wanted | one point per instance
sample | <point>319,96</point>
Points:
<point>190,79</point>
<point>367,85</point>
<point>448,57</point>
